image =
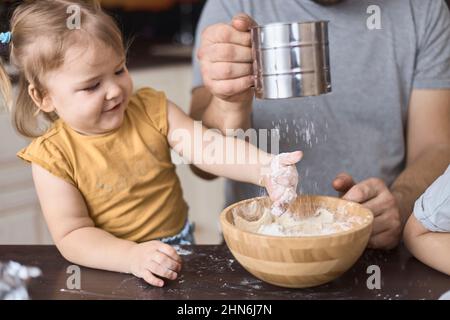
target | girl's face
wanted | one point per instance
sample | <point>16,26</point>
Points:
<point>91,90</point>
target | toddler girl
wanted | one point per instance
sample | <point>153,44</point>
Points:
<point>102,167</point>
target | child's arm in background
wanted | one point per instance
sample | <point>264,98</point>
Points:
<point>182,139</point>
<point>432,248</point>
<point>80,242</point>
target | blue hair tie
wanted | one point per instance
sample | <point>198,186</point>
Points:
<point>5,37</point>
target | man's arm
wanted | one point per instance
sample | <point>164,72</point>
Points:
<point>225,58</point>
<point>220,114</point>
<point>428,146</point>
<point>226,63</point>
<point>428,155</point>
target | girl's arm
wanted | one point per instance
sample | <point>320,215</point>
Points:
<point>212,152</point>
<point>80,242</point>
<point>431,248</point>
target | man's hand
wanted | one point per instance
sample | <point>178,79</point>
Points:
<point>374,195</point>
<point>226,60</point>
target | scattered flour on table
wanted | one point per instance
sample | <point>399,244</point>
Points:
<point>181,251</point>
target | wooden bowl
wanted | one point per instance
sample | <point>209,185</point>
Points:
<point>299,262</point>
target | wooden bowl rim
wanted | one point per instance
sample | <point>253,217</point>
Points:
<point>224,220</point>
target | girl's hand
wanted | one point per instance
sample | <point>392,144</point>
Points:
<point>281,182</point>
<point>154,258</point>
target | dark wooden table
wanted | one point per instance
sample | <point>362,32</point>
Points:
<point>211,272</point>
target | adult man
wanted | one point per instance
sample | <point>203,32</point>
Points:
<point>386,122</point>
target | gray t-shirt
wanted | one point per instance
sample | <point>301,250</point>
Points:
<point>359,127</point>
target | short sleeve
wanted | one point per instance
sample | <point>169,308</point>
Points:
<point>213,12</point>
<point>154,104</point>
<point>45,154</point>
<point>433,53</point>
<point>432,209</point>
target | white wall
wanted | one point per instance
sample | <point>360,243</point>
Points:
<point>21,221</point>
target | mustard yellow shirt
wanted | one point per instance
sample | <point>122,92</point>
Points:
<point>126,176</point>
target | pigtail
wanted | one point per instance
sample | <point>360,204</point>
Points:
<point>5,87</point>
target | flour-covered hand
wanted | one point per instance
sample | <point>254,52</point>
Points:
<point>281,180</point>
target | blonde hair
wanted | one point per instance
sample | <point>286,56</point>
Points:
<point>40,39</point>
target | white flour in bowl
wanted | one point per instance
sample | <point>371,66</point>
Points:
<point>322,222</point>
<point>258,219</point>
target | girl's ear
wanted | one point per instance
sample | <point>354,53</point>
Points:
<point>43,103</point>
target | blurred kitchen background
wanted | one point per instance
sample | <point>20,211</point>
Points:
<point>160,57</point>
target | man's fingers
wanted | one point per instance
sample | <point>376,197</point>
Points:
<point>225,52</point>
<point>380,224</point>
<point>384,201</point>
<point>224,33</point>
<point>243,22</point>
<point>229,70</point>
<point>228,88</point>
<point>343,182</point>
<point>386,231</point>
<point>365,190</point>
<point>359,193</point>
<point>385,241</point>
<point>290,158</point>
